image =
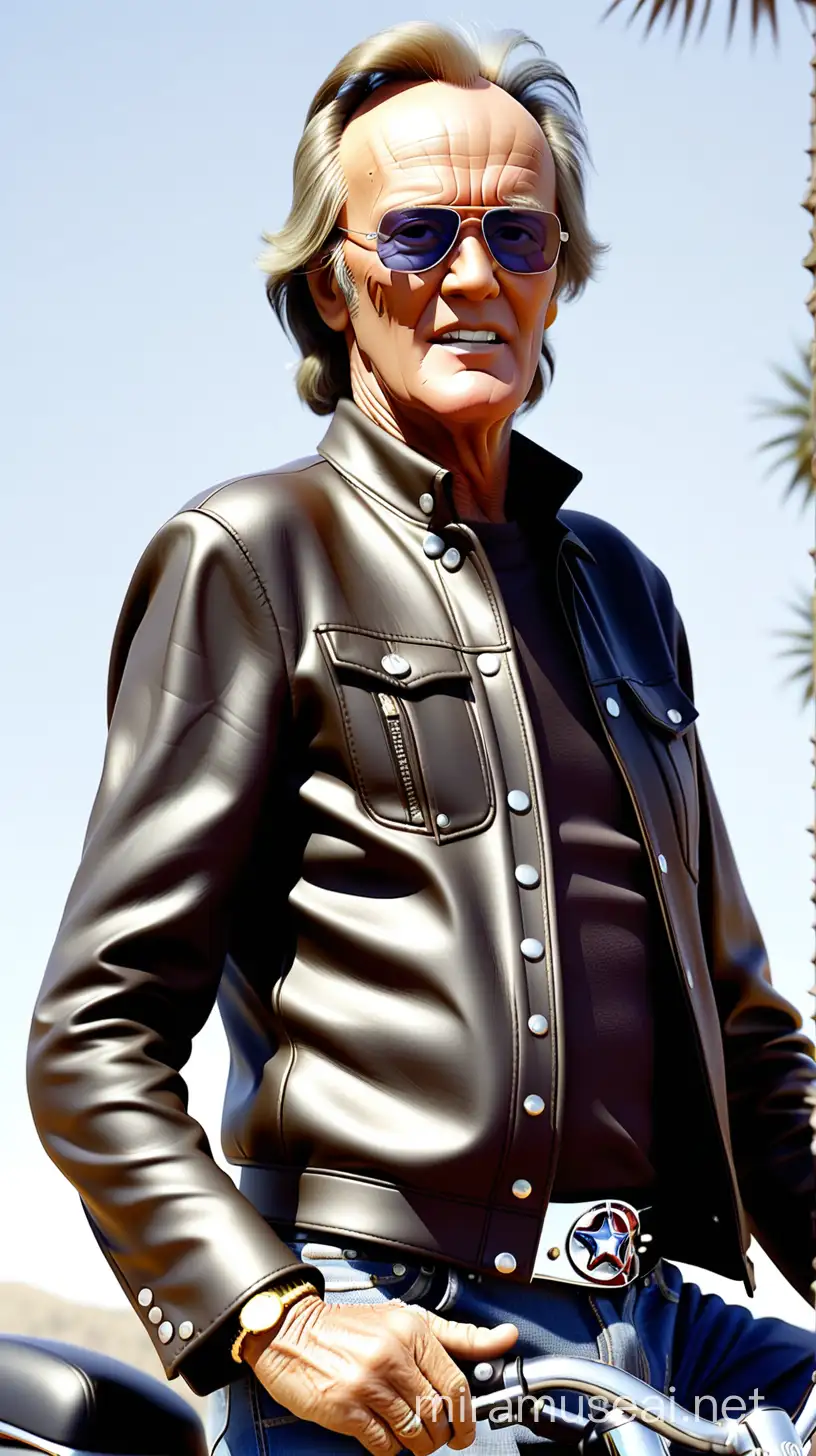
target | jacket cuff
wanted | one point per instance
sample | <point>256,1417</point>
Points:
<point>205,1360</point>
<point>193,1321</point>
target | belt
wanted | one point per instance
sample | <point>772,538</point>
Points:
<point>603,1242</point>
<point>607,1243</point>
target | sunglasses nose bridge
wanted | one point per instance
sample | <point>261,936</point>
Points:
<point>471,229</point>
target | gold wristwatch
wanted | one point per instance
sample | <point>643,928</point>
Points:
<point>264,1311</point>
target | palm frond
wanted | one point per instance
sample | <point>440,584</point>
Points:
<point>801,646</point>
<point>666,10</point>
<point>793,448</point>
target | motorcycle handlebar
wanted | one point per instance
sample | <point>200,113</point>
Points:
<point>527,1382</point>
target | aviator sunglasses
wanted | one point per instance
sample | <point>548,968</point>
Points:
<point>414,239</point>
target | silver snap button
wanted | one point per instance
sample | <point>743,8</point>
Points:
<point>433,546</point>
<point>483,1371</point>
<point>349,1253</point>
<point>532,949</point>
<point>155,1315</point>
<point>518,801</point>
<point>488,663</point>
<point>443,821</point>
<point>613,707</point>
<point>664,863</point>
<point>538,1024</point>
<point>398,1269</point>
<point>426,502</point>
<point>534,1105</point>
<point>185,1329</point>
<point>395,665</point>
<point>528,876</point>
<point>505,1263</point>
<point>165,1332</point>
<point>145,1297</point>
<point>451,559</point>
<point>521,1188</point>
<point>673,716</point>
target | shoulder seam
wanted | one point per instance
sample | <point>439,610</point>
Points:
<point>262,592</point>
<point>295,467</point>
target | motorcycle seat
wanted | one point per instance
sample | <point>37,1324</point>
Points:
<point>55,1396</point>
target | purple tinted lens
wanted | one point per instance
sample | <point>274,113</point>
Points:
<point>411,239</point>
<point>522,242</point>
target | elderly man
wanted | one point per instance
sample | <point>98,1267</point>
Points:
<point>403,768</point>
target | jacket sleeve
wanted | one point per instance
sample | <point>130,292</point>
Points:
<point>769,1062</point>
<point>197,696</point>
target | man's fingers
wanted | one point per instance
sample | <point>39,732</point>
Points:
<point>470,1341</point>
<point>408,1417</point>
<point>434,1410</point>
<point>414,1406</point>
<point>452,1393</point>
<point>444,1398</point>
<point>376,1437</point>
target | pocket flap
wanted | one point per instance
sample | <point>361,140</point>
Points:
<point>362,654</point>
<point>665,705</point>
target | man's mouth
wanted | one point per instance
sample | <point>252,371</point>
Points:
<point>469,339</point>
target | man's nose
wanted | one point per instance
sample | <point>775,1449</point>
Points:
<point>471,269</point>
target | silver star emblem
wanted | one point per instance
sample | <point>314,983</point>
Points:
<point>604,1244</point>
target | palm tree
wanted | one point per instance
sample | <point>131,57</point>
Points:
<point>792,452</point>
<point>767,10</point>
<point>795,446</point>
<point>666,10</point>
<point>800,647</point>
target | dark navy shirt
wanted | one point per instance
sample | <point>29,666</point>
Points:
<point>606,914</point>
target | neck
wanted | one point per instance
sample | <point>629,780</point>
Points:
<point>477,456</point>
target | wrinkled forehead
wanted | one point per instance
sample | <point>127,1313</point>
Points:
<point>434,142</point>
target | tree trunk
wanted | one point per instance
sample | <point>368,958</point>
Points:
<point>810,262</point>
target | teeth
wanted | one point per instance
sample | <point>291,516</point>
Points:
<point>475,336</point>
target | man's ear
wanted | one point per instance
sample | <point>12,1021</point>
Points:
<point>551,314</point>
<point>328,297</point>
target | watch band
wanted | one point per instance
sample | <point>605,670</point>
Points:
<point>264,1311</point>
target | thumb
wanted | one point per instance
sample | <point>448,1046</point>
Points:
<point>470,1341</point>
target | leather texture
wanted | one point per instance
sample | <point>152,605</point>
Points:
<point>58,1394</point>
<point>267,830</point>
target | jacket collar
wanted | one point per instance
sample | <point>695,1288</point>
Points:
<point>539,482</point>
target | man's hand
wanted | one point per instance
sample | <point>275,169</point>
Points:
<point>381,1373</point>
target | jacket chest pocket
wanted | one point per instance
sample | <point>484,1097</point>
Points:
<point>414,742</point>
<point>666,716</point>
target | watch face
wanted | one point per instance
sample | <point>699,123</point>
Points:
<point>262,1311</point>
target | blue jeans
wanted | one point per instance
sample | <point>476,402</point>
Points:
<point>666,1331</point>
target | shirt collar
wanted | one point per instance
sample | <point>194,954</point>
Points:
<point>539,482</point>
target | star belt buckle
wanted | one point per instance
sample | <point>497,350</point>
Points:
<point>601,1243</point>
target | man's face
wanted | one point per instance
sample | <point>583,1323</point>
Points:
<point>470,148</point>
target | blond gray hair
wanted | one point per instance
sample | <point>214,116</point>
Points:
<point>417,51</point>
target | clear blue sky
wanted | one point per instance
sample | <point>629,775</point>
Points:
<point>145,146</point>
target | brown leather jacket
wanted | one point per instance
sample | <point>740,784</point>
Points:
<point>314,725</point>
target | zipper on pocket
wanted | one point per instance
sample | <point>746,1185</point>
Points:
<point>397,736</point>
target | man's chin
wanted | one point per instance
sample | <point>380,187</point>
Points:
<point>470,396</point>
